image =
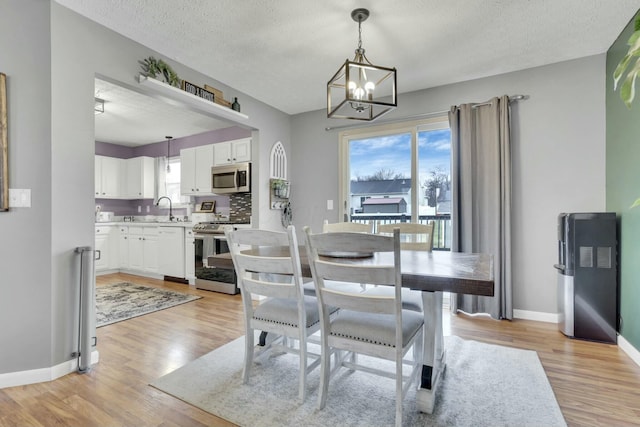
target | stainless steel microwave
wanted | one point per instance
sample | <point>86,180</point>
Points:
<point>235,178</point>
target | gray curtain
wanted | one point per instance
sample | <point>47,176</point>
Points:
<point>481,197</point>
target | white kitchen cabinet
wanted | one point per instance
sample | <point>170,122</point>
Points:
<point>104,246</point>
<point>171,255</point>
<point>226,153</point>
<point>123,247</point>
<point>143,248</point>
<point>108,172</point>
<point>195,170</point>
<point>189,255</point>
<point>136,261</point>
<point>150,248</point>
<point>140,178</point>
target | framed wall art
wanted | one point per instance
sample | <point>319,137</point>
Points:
<point>4,146</point>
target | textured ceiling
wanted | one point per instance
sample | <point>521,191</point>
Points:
<point>283,52</point>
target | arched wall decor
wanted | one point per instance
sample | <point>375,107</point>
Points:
<point>279,185</point>
<point>278,161</point>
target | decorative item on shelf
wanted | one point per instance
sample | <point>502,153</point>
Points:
<point>236,105</point>
<point>197,91</point>
<point>280,188</point>
<point>218,96</point>
<point>627,90</point>
<point>206,206</point>
<point>361,90</point>
<point>153,68</point>
<point>185,98</point>
<point>279,192</point>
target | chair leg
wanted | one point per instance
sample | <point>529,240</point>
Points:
<point>399,387</point>
<point>248,355</point>
<point>325,371</point>
<point>303,366</point>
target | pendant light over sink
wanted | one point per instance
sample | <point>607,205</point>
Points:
<point>169,138</point>
<point>361,90</point>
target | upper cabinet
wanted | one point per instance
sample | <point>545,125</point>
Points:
<point>226,153</point>
<point>195,170</point>
<point>140,178</point>
<point>124,178</point>
<point>108,173</point>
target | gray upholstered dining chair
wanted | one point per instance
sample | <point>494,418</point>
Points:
<point>286,312</point>
<point>372,325</point>
<point>413,236</point>
<point>327,227</point>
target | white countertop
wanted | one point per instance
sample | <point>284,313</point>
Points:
<point>184,224</point>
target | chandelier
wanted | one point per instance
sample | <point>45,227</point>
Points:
<point>361,90</point>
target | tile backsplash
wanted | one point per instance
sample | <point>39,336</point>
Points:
<point>240,207</point>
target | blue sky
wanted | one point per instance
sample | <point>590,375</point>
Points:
<point>393,152</point>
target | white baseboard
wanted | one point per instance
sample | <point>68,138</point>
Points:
<point>631,351</point>
<point>539,316</point>
<point>625,345</point>
<point>14,379</point>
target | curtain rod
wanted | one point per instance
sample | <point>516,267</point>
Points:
<point>512,98</point>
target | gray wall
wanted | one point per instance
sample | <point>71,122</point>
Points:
<point>51,56</point>
<point>26,233</point>
<point>558,160</point>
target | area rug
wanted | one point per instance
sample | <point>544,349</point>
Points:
<point>121,301</point>
<point>484,385</point>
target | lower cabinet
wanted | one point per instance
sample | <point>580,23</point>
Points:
<point>104,247</point>
<point>123,247</point>
<point>157,250</point>
<point>171,251</point>
<point>189,256</point>
<point>143,249</point>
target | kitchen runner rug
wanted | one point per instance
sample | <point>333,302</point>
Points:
<point>121,301</point>
<point>484,385</point>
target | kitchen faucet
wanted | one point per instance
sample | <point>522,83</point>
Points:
<point>170,206</point>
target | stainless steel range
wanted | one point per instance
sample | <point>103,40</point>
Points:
<point>210,240</point>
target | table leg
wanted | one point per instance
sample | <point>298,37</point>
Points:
<point>433,361</point>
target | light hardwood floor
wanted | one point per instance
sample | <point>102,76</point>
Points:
<point>595,384</point>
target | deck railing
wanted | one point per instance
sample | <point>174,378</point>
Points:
<point>441,229</point>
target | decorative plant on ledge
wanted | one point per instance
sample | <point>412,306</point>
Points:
<point>627,90</point>
<point>153,67</point>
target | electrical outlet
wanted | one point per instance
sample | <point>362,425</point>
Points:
<point>329,205</point>
<point>148,209</point>
<point>139,209</point>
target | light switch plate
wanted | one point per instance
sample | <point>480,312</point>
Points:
<point>19,198</point>
<point>329,205</point>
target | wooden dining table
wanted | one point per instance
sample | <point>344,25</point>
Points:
<point>430,272</point>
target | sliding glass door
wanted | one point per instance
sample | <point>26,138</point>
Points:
<point>398,173</point>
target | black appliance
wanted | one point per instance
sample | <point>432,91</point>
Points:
<point>587,276</point>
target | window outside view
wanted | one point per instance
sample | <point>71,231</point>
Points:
<point>381,178</point>
<point>172,181</point>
